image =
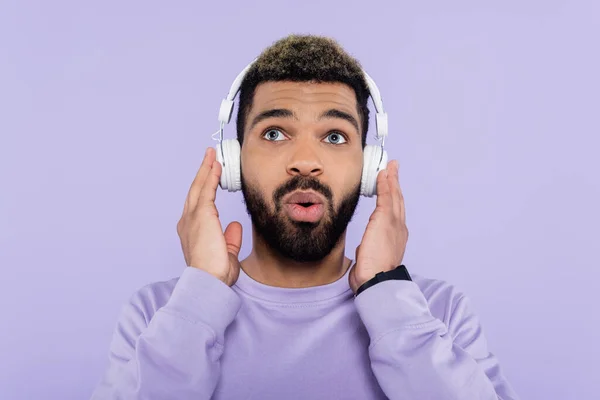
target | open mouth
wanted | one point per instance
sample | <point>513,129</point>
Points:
<point>304,199</point>
<point>304,207</point>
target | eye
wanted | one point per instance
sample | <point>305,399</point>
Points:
<point>336,138</point>
<point>273,135</point>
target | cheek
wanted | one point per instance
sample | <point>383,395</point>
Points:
<point>347,178</point>
<point>355,169</point>
<point>258,179</point>
<point>262,169</point>
<point>248,167</point>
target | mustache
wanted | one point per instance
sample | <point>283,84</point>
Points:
<point>299,182</point>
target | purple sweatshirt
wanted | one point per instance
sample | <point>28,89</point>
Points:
<point>194,337</point>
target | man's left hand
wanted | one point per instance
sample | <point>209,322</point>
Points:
<point>384,242</point>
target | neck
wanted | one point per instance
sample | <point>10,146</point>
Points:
<point>267,267</point>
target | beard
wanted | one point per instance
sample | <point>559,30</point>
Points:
<point>298,240</point>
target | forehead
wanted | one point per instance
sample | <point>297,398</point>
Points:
<point>288,94</point>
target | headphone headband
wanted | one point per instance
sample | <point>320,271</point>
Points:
<point>381,122</point>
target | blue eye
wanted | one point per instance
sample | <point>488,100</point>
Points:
<point>336,138</point>
<point>272,135</point>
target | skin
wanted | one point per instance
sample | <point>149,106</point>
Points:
<point>301,148</point>
<point>307,150</point>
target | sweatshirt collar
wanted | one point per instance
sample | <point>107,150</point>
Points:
<point>314,294</point>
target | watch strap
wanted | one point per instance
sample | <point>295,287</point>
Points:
<point>398,273</point>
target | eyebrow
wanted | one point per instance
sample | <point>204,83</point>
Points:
<point>335,113</point>
<point>274,113</point>
<point>285,113</point>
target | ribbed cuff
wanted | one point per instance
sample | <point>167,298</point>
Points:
<point>391,305</point>
<point>201,297</point>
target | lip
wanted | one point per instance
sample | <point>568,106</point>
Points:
<point>303,197</point>
<point>304,214</point>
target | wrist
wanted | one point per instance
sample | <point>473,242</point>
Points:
<point>223,278</point>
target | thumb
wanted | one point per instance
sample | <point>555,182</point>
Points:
<point>233,238</point>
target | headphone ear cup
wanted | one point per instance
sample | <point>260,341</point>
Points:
<point>371,168</point>
<point>228,155</point>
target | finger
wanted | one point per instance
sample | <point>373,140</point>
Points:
<point>401,198</point>
<point>205,168</point>
<point>384,195</point>
<point>208,192</point>
<point>397,197</point>
<point>233,238</point>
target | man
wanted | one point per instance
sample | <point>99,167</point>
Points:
<point>296,319</point>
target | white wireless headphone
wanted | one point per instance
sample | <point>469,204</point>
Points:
<point>228,150</point>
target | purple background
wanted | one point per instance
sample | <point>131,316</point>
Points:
<point>106,109</point>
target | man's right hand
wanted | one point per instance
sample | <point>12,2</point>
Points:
<point>204,244</point>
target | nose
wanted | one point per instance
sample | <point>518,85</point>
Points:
<point>305,161</point>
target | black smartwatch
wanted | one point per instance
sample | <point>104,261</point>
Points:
<point>399,273</point>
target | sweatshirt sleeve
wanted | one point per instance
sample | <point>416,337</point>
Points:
<point>174,352</point>
<point>416,355</point>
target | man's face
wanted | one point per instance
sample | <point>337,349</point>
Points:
<point>302,138</point>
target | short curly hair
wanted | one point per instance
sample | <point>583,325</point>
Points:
<point>304,58</point>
